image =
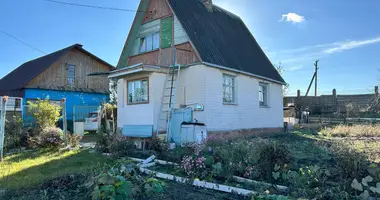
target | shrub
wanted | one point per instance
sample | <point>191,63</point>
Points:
<point>73,139</point>
<point>45,113</point>
<point>159,146</point>
<point>104,142</point>
<point>122,146</point>
<point>349,163</point>
<point>272,154</point>
<point>15,135</point>
<point>50,137</point>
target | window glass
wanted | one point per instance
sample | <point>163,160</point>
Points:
<point>138,91</point>
<point>228,89</point>
<point>71,75</point>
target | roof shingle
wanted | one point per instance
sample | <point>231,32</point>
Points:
<point>222,38</point>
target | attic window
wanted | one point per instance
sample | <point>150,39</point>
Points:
<point>71,75</point>
<point>150,42</point>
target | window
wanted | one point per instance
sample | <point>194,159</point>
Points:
<point>138,91</point>
<point>150,42</point>
<point>71,75</point>
<point>263,94</point>
<point>228,89</point>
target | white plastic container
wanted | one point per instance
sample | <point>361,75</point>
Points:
<point>193,132</point>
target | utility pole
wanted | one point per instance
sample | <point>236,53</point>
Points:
<point>316,77</point>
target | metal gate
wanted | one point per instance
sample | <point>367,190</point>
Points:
<point>81,116</point>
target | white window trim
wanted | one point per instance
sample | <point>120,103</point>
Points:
<point>267,85</point>
<point>149,35</point>
<point>234,89</point>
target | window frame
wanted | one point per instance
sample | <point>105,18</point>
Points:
<point>145,39</point>
<point>265,92</point>
<point>234,89</point>
<point>71,80</point>
<point>127,89</point>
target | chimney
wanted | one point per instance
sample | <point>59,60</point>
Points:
<point>208,4</point>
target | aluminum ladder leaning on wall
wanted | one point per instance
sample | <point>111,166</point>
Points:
<point>168,101</point>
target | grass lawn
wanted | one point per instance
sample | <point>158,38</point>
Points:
<point>30,169</point>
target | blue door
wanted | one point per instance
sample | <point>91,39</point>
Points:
<point>179,116</point>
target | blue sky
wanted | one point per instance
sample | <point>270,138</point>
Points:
<point>343,35</point>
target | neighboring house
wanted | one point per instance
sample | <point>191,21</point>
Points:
<point>224,70</point>
<point>61,74</point>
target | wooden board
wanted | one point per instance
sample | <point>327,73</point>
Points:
<point>57,74</point>
<point>157,9</point>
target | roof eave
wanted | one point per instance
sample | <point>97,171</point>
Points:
<point>243,72</point>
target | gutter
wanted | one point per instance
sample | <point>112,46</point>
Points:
<point>242,72</point>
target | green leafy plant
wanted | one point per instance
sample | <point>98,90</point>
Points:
<point>50,137</point>
<point>364,187</point>
<point>45,113</point>
<point>15,134</point>
<point>125,183</point>
<point>154,186</point>
<point>73,139</point>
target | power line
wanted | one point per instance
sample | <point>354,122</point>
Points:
<point>26,44</point>
<point>92,6</point>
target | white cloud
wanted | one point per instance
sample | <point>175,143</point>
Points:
<point>294,68</point>
<point>350,45</point>
<point>292,17</point>
<point>309,53</point>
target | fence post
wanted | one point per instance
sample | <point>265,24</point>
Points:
<point>63,101</point>
<point>2,125</point>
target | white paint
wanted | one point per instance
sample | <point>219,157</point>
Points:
<point>200,84</point>
<point>244,180</point>
<point>206,89</point>
<point>198,183</point>
<point>140,114</point>
<point>180,35</point>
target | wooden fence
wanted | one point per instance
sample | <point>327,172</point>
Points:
<point>335,105</point>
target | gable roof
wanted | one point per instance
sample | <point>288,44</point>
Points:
<point>222,38</point>
<point>22,75</point>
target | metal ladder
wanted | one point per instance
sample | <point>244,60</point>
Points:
<point>168,101</point>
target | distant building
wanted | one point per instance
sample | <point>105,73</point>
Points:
<point>61,74</point>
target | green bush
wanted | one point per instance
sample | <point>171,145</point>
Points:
<point>159,146</point>
<point>45,113</point>
<point>50,137</point>
<point>15,134</point>
<point>271,155</point>
<point>122,146</point>
<point>73,139</point>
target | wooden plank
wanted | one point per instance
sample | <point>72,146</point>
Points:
<point>166,33</point>
<point>56,75</point>
<point>157,9</point>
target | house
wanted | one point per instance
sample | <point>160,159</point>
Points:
<point>225,77</point>
<point>61,74</point>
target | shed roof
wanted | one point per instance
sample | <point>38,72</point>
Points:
<point>23,74</point>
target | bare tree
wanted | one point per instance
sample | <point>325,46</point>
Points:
<point>281,70</point>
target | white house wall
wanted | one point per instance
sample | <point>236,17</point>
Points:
<point>204,86</point>
<point>139,114</point>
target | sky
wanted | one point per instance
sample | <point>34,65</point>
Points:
<point>343,35</point>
